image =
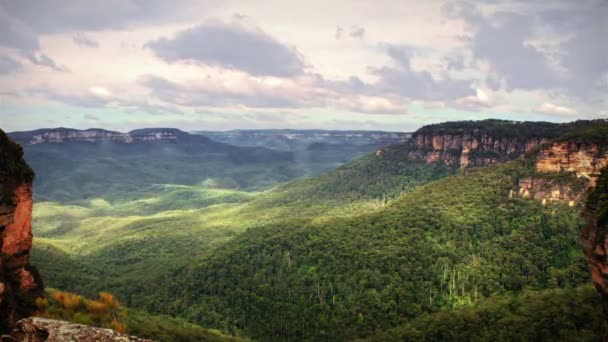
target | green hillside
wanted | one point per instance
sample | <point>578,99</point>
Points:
<point>444,245</point>
<point>380,248</point>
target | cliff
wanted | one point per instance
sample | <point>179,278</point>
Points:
<point>20,284</point>
<point>594,237</point>
<point>480,143</point>
<point>94,135</point>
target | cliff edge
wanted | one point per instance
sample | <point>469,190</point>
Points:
<point>20,283</point>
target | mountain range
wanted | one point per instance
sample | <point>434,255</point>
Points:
<point>466,231</point>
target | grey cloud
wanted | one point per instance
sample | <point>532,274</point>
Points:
<point>53,16</point>
<point>501,39</point>
<point>8,65</point>
<point>44,60</point>
<point>19,36</point>
<point>406,82</point>
<point>15,34</point>
<point>357,32</point>
<point>91,117</point>
<point>185,95</point>
<point>339,33</point>
<point>231,46</point>
<point>83,41</point>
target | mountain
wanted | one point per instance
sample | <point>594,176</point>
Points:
<point>291,139</point>
<point>479,143</point>
<point>95,135</point>
<point>461,241</point>
<point>390,246</point>
<point>20,283</point>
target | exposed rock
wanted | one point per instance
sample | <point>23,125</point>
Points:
<point>594,237</point>
<point>20,283</point>
<point>475,148</point>
<point>62,135</point>
<point>548,190</point>
<point>35,329</point>
<point>585,160</point>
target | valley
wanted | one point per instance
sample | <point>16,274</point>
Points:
<point>383,247</point>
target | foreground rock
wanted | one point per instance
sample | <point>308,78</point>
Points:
<point>20,284</point>
<point>36,329</point>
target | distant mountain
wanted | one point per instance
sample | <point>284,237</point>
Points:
<point>290,140</point>
<point>79,164</point>
<point>61,135</point>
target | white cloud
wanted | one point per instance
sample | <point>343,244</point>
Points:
<point>550,108</point>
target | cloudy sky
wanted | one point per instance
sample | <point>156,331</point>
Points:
<point>340,64</point>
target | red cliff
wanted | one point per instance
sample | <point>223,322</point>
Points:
<point>20,284</point>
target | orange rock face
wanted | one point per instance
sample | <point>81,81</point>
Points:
<point>584,160</point>
<point>476,149</point>
<point>20,284</point>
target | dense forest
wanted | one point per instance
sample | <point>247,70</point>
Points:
<point>381,248</point>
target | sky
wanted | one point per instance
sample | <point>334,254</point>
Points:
<point>332,64</point>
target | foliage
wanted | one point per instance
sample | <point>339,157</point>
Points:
<point>572,314</point>
<point>12,166</point>
<point>598,199</point>
<point>444,245</point>
<point>105,312</point>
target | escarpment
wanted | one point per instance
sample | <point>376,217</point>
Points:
<point>20,284</point>
<point>478,143</point>
<point>594,237</point>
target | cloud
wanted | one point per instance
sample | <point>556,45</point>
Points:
<point>243,91</point>
<point>402,80</point>
<point>231,46</point>
<point>8,65</point>
<point>555,47</point>
<point>44,60</point>
<point>339,32</point>
<point>19,36</point>
<point>356,32</point>
<point>83,41</point>
<point>91,117</point>
<point>550,108</point>
<point>58,16</point>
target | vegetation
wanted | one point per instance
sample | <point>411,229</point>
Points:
<point>503,128</point>
<point>13,166</point>
<point>444,245</point>
<point>380,248</point>
<point>106,312</point>
<point>572,314</point>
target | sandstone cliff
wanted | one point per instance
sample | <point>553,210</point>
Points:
<point>20,284</point>
<point>480,143</point>
<point>594,237</point>
<point>62,135</point>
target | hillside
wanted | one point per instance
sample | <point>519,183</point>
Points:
<point>293,140</point>
<point>435,248</point>
<point>376,245</point>
<point>75,165</point>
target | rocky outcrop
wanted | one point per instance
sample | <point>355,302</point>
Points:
<point>548,190</point>
<point>476,148</point>
<point>62,135</point>
<point>36,329</point>
<point>20,284</point>
<point>583,159</point>
<point>594,237</point>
